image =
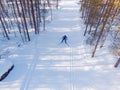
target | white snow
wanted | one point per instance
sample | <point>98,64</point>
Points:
<point>5,65</point>
<point>45,64</point>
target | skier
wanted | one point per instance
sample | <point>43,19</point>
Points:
<point>64,39</point>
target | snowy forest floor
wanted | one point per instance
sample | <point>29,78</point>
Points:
<point>44,64</point>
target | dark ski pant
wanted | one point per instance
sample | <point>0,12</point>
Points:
<point>64,40</point>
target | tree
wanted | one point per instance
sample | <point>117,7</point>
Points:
<point>100,20</point>
<point>21,14</point>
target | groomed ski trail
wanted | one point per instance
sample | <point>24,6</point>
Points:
<point>49,66</point>
<point>28,76</point>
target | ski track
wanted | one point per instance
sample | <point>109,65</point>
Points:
<point>71,76</point>
<point>60,67</point>
<point>27,79</point>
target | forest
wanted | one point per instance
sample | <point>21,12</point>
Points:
<point>20,15</point>
<point>102,20</point>
<point>59,44</point>
<point>101,17</point>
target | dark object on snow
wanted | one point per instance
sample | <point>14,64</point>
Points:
<point>6,73</point>
<point>117,63</point>
<point>64,39</point>
<point>19,45</point>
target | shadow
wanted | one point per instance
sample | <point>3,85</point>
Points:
<point>17,73</point>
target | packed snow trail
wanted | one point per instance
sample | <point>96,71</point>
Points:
<point>28,76</point>
<point>42,64</point>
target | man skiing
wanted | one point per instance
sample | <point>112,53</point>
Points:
<point>64,39</point>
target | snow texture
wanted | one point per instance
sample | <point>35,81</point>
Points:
<point>44,64</point>
<point>5,65</point>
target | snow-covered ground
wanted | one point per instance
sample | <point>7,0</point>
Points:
<point>44,64</point>
<point>5,67</point>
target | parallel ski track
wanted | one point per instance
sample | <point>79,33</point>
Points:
<point>27,79</point>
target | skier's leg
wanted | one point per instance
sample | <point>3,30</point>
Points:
<point>65,41</point>
<point>62,40</point>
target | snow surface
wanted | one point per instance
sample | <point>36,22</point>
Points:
<point>5,65</point>
<point>44,64</point>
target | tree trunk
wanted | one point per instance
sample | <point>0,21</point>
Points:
<point>104,23</point>
<point>117,63</point>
